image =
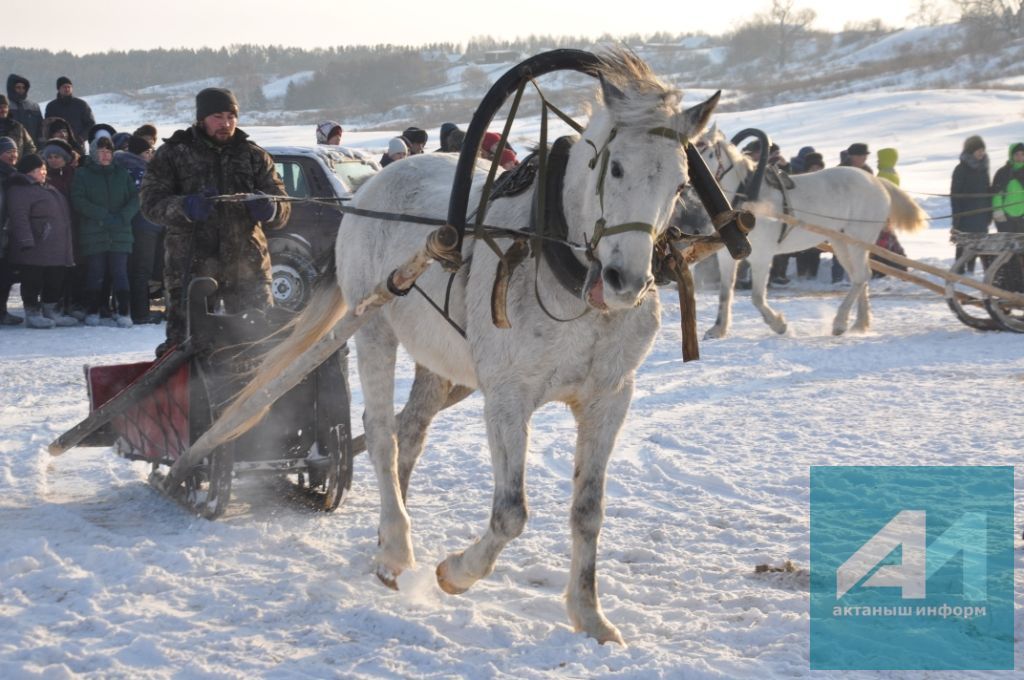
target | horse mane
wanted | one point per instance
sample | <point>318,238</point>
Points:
<point>647,99</point>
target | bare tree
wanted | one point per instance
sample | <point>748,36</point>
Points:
<point>789,22</point>
<point>932,13</point>
<point>986,21</point>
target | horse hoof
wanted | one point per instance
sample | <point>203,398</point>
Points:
<point>387,576</point>
<point>781,329</point>
<point>606,632</point>
<point>444,582</point>
<point>838,331</point>
<point>714,333</point>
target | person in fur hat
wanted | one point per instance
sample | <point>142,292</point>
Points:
<point>58,128</point>
<point>203,237</point>
<point>9,127</point>
<point>75,111</point>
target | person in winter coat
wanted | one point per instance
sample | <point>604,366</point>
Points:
<point>60,165</point>
<point>40,242</point>
<point>58,128</point>
<point>75,111</point>
<point>9,127</point>
<point>1008,209</point>
<point>147,247</point>
<point>807,261</point>
<point>887,237</point>
<point>105,199</point>
<point>415,139</point>
<point>798,163</point>
<point>222,240</point>
<point>397,150</point>
<point>969,201</point>
<point>329,132</point>
<point>451,138</point>
<point>8,161</point>
<point>24,110</point>
<point>854,156</point>
<point>60,174</point>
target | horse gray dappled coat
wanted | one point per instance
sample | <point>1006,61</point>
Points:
<point>588,363</point>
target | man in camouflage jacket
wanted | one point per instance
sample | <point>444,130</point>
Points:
<point>206,238</point>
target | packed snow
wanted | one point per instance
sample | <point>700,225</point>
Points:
<point>101,576</point>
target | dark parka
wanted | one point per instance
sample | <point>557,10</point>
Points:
<point>23,109</point>
<point>230,245</point>
<point>39,224</point>
<point>969,195</point>
<point>105,199</point>
<point>75,111</point>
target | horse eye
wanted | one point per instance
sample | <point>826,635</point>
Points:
<point>616,170</point>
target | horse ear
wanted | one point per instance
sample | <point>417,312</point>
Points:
<point>696,118</point>
<point>611,93</point>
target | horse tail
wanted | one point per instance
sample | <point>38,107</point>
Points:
<point>904,213</point>
<point>325,309</point>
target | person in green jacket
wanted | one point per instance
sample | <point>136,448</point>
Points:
<point>1008,210</point>
<point>106,200</point>
<point>887,158</point>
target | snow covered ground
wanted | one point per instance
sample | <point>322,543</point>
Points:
<point>102,577</point>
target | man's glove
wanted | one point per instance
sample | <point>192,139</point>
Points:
<point>999,216</point>
<point>199,206</point>
<point>261,209</point>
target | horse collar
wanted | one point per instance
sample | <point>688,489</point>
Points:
<point>549,220</point>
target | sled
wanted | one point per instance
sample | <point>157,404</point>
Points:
<point>154,411</point>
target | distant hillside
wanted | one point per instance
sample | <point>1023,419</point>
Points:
<point>389,86</point>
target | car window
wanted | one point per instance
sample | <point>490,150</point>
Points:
<point>294,178</point>
<point>353,173</point>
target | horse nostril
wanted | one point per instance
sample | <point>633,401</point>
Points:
<point>613,277</point>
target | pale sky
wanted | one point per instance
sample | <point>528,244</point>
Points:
<point>137,24</point>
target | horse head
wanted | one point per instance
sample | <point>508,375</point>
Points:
<point>624,175</point>
<point>726,162</point>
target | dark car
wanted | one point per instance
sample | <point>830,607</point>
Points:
<point>305,245</point>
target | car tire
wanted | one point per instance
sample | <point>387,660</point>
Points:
<point>293,274</point>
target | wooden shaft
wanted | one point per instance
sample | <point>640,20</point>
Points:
<point>1005,295</point>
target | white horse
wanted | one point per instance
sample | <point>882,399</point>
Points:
<point>845,199</point>
<point>625,171</point>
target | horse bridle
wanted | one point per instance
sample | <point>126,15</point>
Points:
<point>602,156</point>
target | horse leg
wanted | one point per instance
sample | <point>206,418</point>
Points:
<point>846,258</point>
<point>376,350</point>
<point>727,275</point>
<point>598,423</point>
<point>860,279</point>
<point>759,295</point>
<point>508,418</point>
<point>428,395</point>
